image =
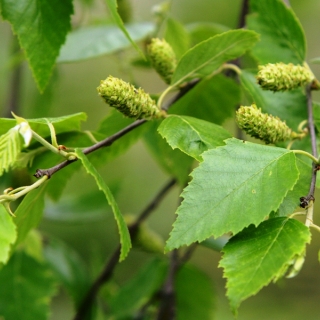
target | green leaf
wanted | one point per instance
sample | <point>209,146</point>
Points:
<point>29,212</point>
<point>8,234</point>
<point>236,185</point>
<point>10,147</point>
<point>61,124</point>
<point>137,291</point>
<point>41,26</point>
<point>123,230</point>
<point>194,294</point>
<point>177,36</point>
<point>214,99</point>
<point>68,267</point>
<point>93,41</point>
<point>27,287</point>
<point>282,36</point>
<point>256,256</point>
<point>174,162</point>
<point>112,5</point>
<point>191,135</point>
<point>209,55</point>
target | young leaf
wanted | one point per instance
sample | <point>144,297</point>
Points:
<point>214,99</point>
<point>27,287</point>
<point>256,256</point>
<point>112,5</point>
<point>123,230</point>
<point>209,55</point>
<point>191,135</point>
<point>49,21</point>
<point>236,185</point>
<point>93,41</point>
<point>195,295</point>
<point>8,234</point>
<point>282,36</point>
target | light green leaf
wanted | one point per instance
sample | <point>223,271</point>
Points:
<point>123,230</point>
<point>236,185</point>
<point>10,147</point>
<point>112,5</point>
<point>93,41</point>
<point>256,256</point>
<point>41,26</point>
<point>209,55</point>
<point>8,234</point>
<point>137,291</point>
<point>282,36</point>
<point>27,287</point>
<point>194,294</point>
<point>214,99</point>
<point>191,135</point>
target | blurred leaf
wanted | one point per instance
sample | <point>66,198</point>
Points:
<point>209,55</point>
<point>177,36</point>
<point>27,287</point>
<point>8,234</point>
<point>68,267</point>
<point>282,36</point>
<point>29,212</point>
<point>41,26</point>
<point>122,227</point>
<point>316,115</point>
<point>195,295</point>
<point>32,245</point>
<point>137,291</point>
<point>256,256</point>
<point>93,41</point>
<point>214,99</point>
<point>255,177</point>
<point>174,162</point>
<point>191,135</point>
<point>112,5</point>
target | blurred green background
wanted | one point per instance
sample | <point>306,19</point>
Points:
<point>135,175</point>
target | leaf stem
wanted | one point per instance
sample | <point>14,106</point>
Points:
<point>164,93</point>
<point>307,154</point>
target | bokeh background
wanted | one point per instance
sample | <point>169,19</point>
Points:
<point>135,176</point>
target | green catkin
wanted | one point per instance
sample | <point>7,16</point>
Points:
<point>163,58</point>
<point>132,102</point>
<point>263,126</point>
<point>282,77</point>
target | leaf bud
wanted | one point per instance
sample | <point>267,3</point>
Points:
<point>263,126</point>
<point>163,58</point>
<point>282,77</point>
<point>132,102</point>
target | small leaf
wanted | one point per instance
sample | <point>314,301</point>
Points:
<point>195,295</point>
<point>236,185</point>
<point>49,21</point>
<point>282,36</point>
<point>112,5</point>
<point>191,135</point>
<point>93,41</point>
<point>8,234</point>
<point>123,230</point>
<point>256,256</point>
<point>209,55</point>
<point>27,287</point>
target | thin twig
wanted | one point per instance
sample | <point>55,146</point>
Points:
<point>107,271</point>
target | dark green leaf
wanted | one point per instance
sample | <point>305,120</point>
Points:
<point>236,185</point>
<point>209,55</point>
<point>282,36</point>
<point>191,135</point>
<point>213,99</point>
<point>41,26</point>
<point>122,227</point>
<point>93,41</point>
<point>195,295</point>
<point>256,256</point>
<point>27,287</point>
<point>8,234</point>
